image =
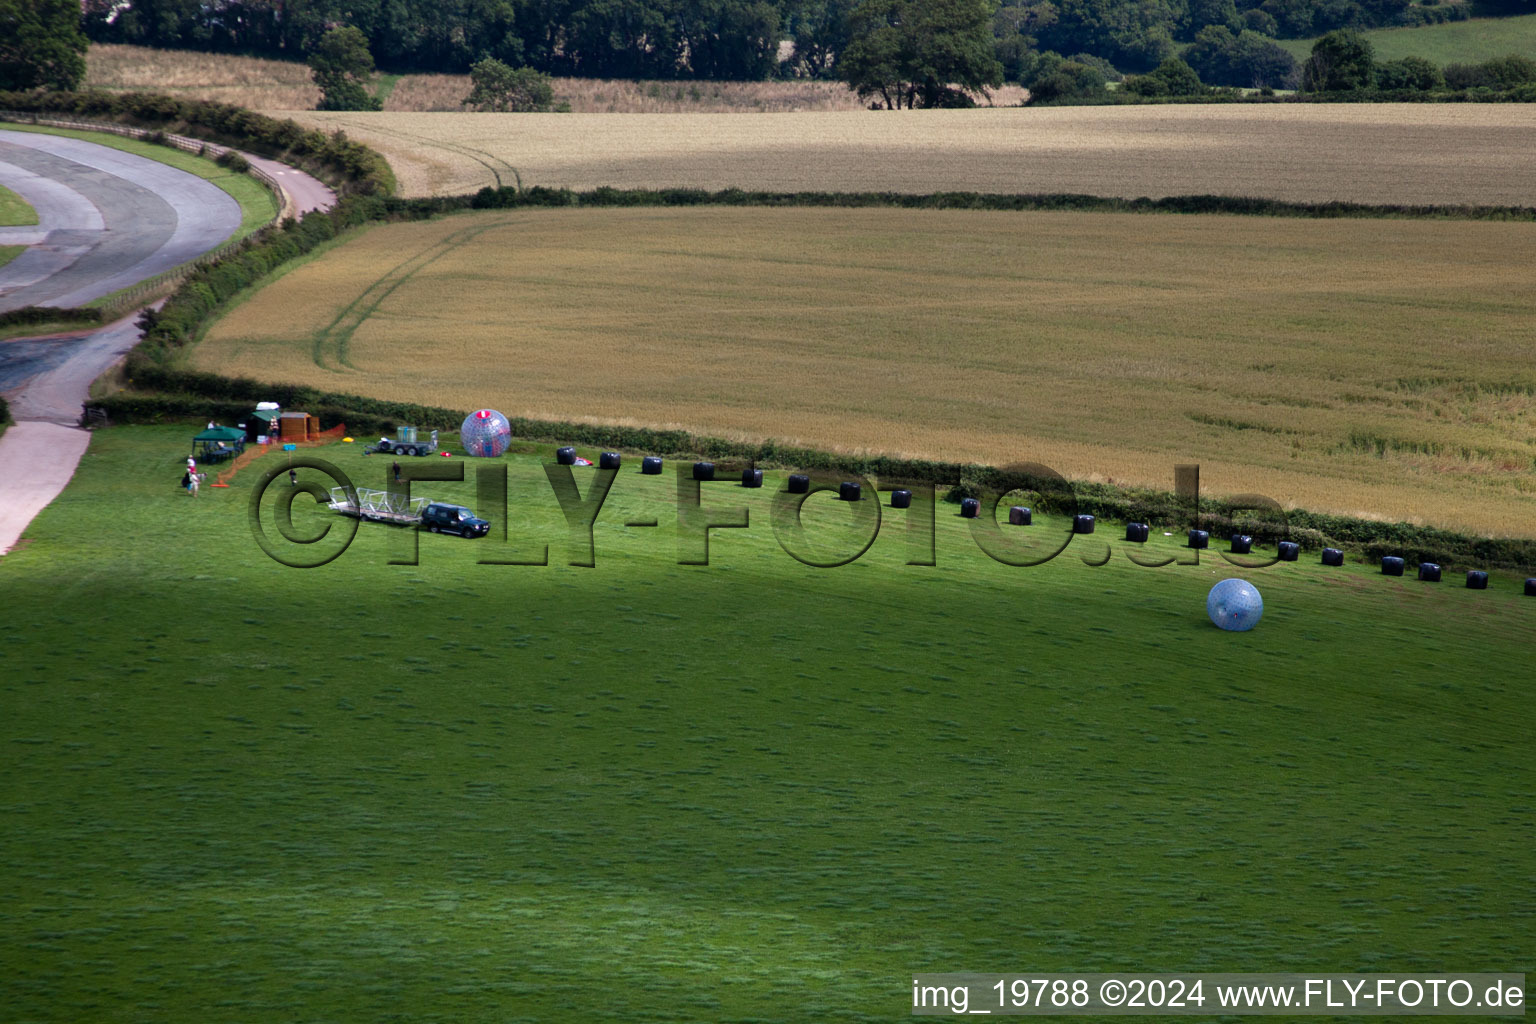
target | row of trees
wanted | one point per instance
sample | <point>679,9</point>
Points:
<point>721,39</point>
<point>1345,61</point>
<point>1341,61</point>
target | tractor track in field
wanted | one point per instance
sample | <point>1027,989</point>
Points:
<point>485,159</point>
<point>336,336</point>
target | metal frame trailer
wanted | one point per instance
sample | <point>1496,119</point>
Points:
<point>377,506</point>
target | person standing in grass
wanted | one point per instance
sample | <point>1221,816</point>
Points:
<point>396,468</point>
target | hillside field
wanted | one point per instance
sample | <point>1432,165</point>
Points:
<point>1381,368</point>
<point>751,790</point>
<point>1464,42</point>
<point>262,84</point>
<point>1421,153</point>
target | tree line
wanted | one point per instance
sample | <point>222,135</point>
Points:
<point>724,39</point>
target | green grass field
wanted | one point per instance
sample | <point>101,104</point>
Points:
<point>14,210</point>
<point>1455,42</point>
<point>748,791</point>
<point>258,207</point>
<point>10,252</point>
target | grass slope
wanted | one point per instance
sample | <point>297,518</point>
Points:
<point>14,210</point>
<point>1313,367</point>
<point>1455,42</point>
<point>258,207</point>
<point>10,252</point>
<point>752,790</point>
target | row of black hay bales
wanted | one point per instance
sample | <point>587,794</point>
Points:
<point>1019,515</point>
<point>1430,572</point>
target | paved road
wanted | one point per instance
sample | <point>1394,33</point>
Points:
<point>108,219</point>
<point>303,191</point>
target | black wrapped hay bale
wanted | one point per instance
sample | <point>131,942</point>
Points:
<point>1199,539</point>
<point>1333,556</point>
<point>1289,551</point>
<point>1137,533</point>
<point>1242,544</point>
<point>848,491</point>
<point>901,499</point>
<point>650,465</point>
<point>1020,516</point>
<point>1429,572</point>
<point>751,478</point>
<point>609,460</point>
<point>565,456</point>
<point>969,507</point>
<point>703,470</point>
<point>1477,580</point>
<point>1082,524</point>
<point>799,483</point>
<point>1392,565</point>
<point>1530,588</point>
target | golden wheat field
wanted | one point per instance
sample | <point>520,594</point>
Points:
<point>1380,368</point>
<point>1413,153</point>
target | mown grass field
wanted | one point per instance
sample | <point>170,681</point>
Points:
<point>14,210</point>
<point>1377,368</point>
<point>1420,153</point>
<point>747,791</point>
<point>10,252</point>
<point>1465,42</point>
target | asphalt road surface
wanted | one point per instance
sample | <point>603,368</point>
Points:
<point>107,220</point>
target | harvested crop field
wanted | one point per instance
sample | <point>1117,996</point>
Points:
<point>260,83</point>
<point>1415,153</point>
<point>1380,368</point>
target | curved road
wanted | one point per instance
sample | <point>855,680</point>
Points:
<point>106,220</point>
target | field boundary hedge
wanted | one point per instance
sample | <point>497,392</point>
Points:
<point>364,183</point>
<point>538,196</point>
<point>193,395</point>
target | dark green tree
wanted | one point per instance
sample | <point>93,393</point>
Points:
<point>341,63</point>
<point>1173,77</point>
<point>1211,12</point>
<point>1510,70</point>
<point>1132,36</point>
<point>1341,60</point>
<point>729,39</point>
<point>1413,73</point>
<point>41,44</point>
<point>929,53</point>
<point>1055,80</point>
<point>501,88</point>
<point>820,28</point>
<point>1246,60</point>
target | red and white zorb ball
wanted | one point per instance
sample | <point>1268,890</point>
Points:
<point>485,434</point>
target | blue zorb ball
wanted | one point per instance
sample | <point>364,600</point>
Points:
<point>1235,605</point>
<point>485,433</point>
